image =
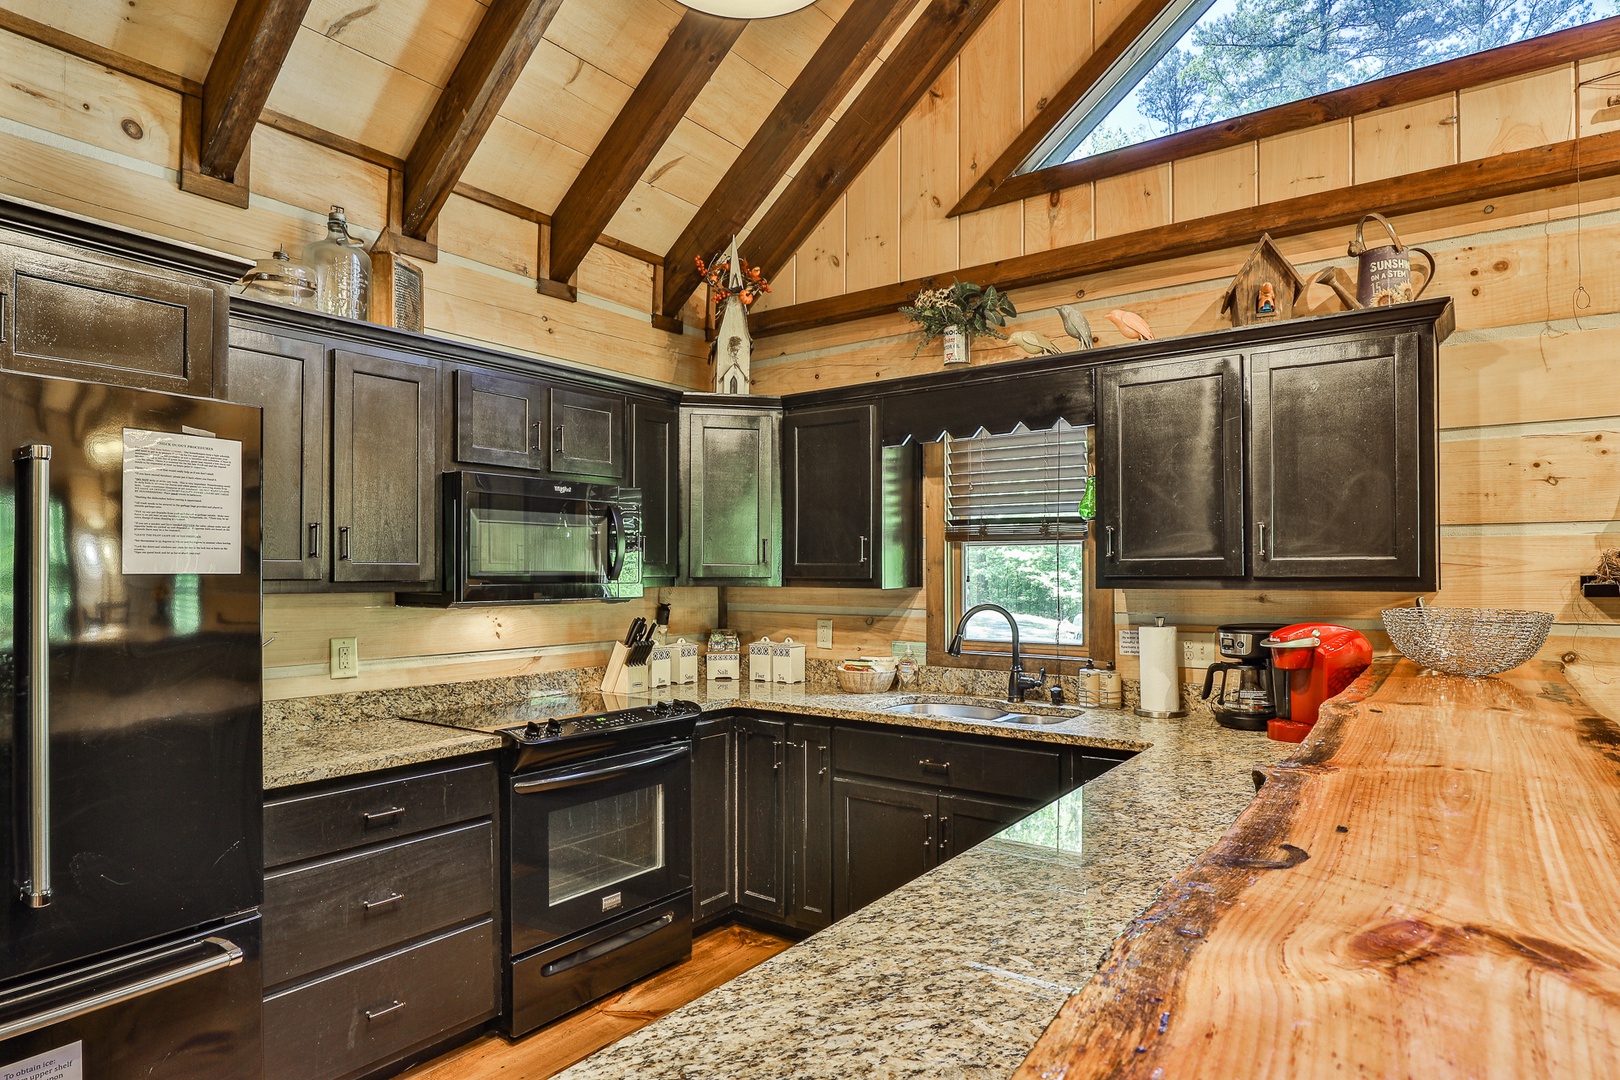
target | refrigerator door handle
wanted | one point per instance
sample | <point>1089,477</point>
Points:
<point>34,463</point>
<point>229,955</point>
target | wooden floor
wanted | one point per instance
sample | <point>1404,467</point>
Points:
<point>717,957</point>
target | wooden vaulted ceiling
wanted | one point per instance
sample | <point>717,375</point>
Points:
<point>640,122</point>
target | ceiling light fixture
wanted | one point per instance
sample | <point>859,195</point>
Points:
<point>747,9</point>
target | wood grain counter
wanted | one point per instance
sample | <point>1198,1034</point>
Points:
<point>1430,888</point>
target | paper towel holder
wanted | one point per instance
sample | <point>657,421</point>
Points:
<point>1150,714</point>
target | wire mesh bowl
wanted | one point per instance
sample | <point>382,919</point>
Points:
<point>1467,641</point>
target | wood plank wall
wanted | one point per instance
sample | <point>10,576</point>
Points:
<point>91,141</point>
<point>1530,407</point>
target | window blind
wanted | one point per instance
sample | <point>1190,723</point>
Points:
<point>1022,486</point>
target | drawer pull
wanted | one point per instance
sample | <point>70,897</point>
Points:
<point>378,905</point>
<point>383,817</point>
<point>934,766</point>
<point>378,1013</point>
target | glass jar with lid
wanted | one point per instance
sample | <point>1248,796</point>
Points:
<point>280,279</point>
<point>342,269</point>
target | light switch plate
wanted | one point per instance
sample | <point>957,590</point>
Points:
<point>345,658</point>
<point>823,633</point>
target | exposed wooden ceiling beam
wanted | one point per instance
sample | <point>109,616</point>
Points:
<point>922,55</point>
<point>830,75</point>
<point>999,185</point>
<point>1488,178</point>
<point>257,39</point>
<point>489,66</point>
<point>683,67</point>
<point>1059,105</point>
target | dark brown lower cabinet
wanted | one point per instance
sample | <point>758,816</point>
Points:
<point>967,820</point>
<point>379,919</point>
<point>884,835</point>
<point>761,817</point>
<point>809,823</point>
<point>714,830</point>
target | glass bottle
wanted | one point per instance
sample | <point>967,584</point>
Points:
<point>342,270</point>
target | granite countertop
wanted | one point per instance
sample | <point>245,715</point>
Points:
<point>951,977</point>
<point>955,975</point>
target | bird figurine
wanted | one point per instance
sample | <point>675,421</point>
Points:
<point>1033,343</point>
<point>1132,325</point>
<point>1075,325</point>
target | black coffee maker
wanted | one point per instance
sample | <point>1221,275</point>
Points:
<point>1245,698</point>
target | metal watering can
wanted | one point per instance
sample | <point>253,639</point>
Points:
<point>1384,273</point>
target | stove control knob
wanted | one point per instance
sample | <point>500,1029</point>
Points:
<point>553,728</point>
<point>531,731</point>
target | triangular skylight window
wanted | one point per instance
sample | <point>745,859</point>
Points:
<point>1205,61</point>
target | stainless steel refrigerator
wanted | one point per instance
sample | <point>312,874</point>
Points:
<point>130,738</point>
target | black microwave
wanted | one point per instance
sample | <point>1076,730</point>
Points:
<point>512,539</point>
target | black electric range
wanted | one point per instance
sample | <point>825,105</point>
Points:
<point>596,844</point>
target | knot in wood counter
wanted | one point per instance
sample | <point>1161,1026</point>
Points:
<point>1430,888</point>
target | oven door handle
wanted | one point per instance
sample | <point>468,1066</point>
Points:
<point>616,768</point>
<point>618,544</point>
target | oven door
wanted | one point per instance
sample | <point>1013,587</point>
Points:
<point>596,839</point>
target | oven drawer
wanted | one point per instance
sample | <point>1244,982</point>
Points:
<point>365,1014</point>
<point>305,826</point>
<point>1012,771</point>
<point>319,915</point>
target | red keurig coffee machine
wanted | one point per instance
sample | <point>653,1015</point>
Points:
<point>1320,660</point>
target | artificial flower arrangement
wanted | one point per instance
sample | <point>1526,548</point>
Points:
<point>975,311</point>
<point>717,273</point>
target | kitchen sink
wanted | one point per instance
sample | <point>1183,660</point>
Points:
<point>974,712</point>
<point>959,712</point>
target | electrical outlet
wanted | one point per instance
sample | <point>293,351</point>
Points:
<point>345,658</point>
<point>823,633</point>
<point>1197,653</point>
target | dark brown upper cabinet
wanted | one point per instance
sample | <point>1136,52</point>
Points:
<point>1309,464</point>
<point>1343,439</point>
<point>587,434</point>
<point>1170,470</point>
<point>655,469</point>
<point>500,420</point>
<point>82,315</point>
<point>286,377</point>
<point>850,507</point>
<point>384,468</point>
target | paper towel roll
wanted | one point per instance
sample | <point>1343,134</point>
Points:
<point>1161,672</point>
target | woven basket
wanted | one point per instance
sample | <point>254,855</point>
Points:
<point>864,682</point>
<point>1467,641</point>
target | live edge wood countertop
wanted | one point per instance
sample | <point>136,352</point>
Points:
<point>1430,888</point>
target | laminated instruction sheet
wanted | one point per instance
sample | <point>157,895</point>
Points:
<point>182,504</point>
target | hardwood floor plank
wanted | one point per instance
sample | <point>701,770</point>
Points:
<point>718,956</point>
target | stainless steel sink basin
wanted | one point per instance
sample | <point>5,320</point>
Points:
<point>959,712</point>
<point>1033,718</point>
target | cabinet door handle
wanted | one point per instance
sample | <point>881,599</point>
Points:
<point>384,1010</point>
<point>1108,533</point>
<point>314,539</point>
<point>928,831</point>
<point>944,832</point>
<point>343,541</point>
<point>863,549</point>
<point>765,550</point>
<point>776,754</point>
<point>934,766</point>
<point>375,818</point>
<point>821,748</point>
<point>1260,542</point>
<point>33,543</point>
<point>562,438</point>
<point>385,902</point>
<point>539,434</point>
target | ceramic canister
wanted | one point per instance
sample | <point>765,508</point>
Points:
<point>759,660</point>
<point>787,661</point>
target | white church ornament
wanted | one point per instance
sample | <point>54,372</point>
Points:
<point>734,286</point>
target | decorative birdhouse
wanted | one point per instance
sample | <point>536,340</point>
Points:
<point>1265,289</point>
<point>733,347</point>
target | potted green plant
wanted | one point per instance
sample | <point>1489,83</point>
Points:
<point>959,313</point>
